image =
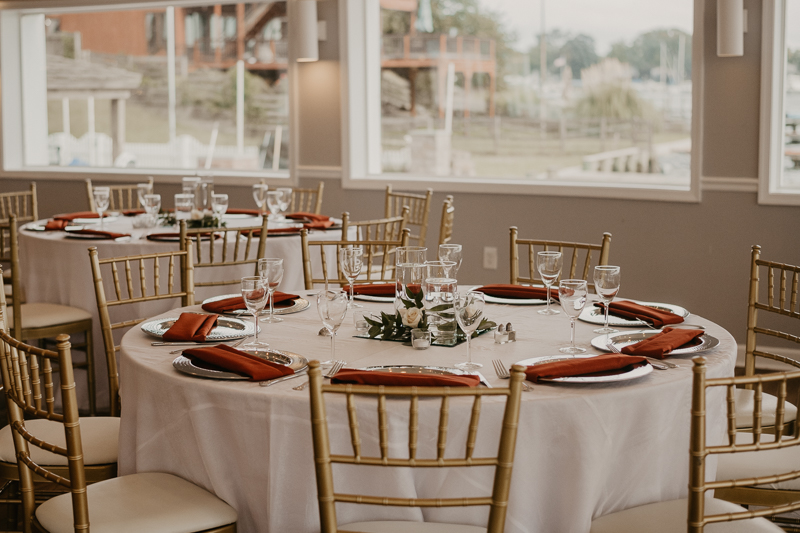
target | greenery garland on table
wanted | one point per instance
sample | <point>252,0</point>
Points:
<point>166,218</point>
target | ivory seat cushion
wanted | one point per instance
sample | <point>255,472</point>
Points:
<point>762,463</point>
<point>99,436</point>
<point>149,502</point>
<point>672,516</point>
<point>397,526</point>
<point>744,409</point>
<point>43,315</point>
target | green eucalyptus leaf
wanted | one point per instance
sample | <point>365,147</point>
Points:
<point>440,308</point>
<point>374,331</point>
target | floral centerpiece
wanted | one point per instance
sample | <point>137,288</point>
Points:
<point>198,220</point>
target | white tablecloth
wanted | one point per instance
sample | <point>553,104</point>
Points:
<point>582,450</point>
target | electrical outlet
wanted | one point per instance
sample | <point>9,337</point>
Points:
<point>490,258</point>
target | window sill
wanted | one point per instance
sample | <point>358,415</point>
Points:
<point>132,175</point>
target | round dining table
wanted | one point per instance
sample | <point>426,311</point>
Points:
<point>583,450</point>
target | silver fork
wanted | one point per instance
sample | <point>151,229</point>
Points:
<point>660,365</point>
<point>234,345</point>
<point>337,365</point>
<point>503,373</point>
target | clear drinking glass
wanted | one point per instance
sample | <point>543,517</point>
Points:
<point>351,260</point>
<point>332,306</point>
<point>274,204</point>
<point>184,203</point>
<point>469,314</point>
<point>439,290</point>
<point>572,295</point>
<point>451,252</point>
<point>254,293</point>
<point>271,270</point>
<point>141,190</point>
<point>409,272</point>
<point>260,195</point>
<point>219,204</point>
<point>606,285</point>
<point>101,200</point>
<point>549,266</point>
<point>152,205</point>
<point>286,199</point>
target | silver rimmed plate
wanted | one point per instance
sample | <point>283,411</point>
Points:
<point>619,375</point>
<point>371,298</point>
<point>79,221</point>
<point>292,360</point>
<point>226,329</point>
<point>513,301</point>
<point>417,369</point>
<point>238,216</point>
<point>620,340</point>
<point>300,304</point>
<point>595,315</point>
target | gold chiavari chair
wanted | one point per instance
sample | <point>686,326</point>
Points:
<point>38,320</point>
<point>323,458</point>
<point>378,259</point>
<point>388,229</point>
<point>132,275</point>
<point>23,204</point>
<point>240,246</point>
<point>575,256</point>
<point>152,502</point>
<point>120,197</point>
<point>448,218</point>
<point>419,208</point>
<point>701,510</point>
<point>307,200</point>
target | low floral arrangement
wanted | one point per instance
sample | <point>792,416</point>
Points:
<point>198,220</point>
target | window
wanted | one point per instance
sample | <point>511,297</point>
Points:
<point>572,97</point>
<point>151,89</point>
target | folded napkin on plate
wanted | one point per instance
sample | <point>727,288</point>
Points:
<point>253,212</point>
<point>191,327</point>
<point>82,214</point>
<point>106,234</point>
<point>317,221</point>
<point>374,289</point>
<point>233,360</point>
<point>634,311</point>
<point>583,366</point>
<point>133,212</point>
<point>56,225</point>
<point>168,237</point>
<point>281,299</point>
<point>370,377</point>
<point>661,344</point>
<point>515,292</point>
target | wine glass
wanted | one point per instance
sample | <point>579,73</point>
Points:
<point>152,205</point>
<point>101,199</point>
<point>260,195</point>
<point>451,252</point>
<point>469,314</point>
<point>286,199</point>
<point>572,295</point>
<point>332,306</point>
<point>549,266</point>
<point>219,204</point>
<point>274,204</point>
<point>351,260</point>
<point>254,293</point>
<point>606,285</point>
<point>141,190</point>
<point>271,270</point>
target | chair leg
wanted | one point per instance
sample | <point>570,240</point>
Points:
<point>90,372</point>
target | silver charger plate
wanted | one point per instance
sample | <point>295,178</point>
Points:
<point>292,360</point>
<point>623,375</point>
<point>595,315</point>
<point>226,329</point>
<point>514,301</point>
<point>371,298</point>
<point>300,304</point>
<point>418,369</point>
<point>238,216</point>
<point>620,340</point>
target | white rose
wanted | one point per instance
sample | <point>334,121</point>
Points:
<point>196,214</point>
<point>471,310</point>
<point>412,317</point>
<point>402,312</point>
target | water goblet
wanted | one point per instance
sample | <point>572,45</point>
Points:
<point>351,260</point>
<point>274,204</point>
<point>451,252</point>
<point>141,190</point>
<point>606,285</point>
<point>572,296</point>
<point>332,307</point>
<point>101,200</point>
<point>286,199</point>
<point>271,269</point>
<point>152,205</point>
<point>549,266</point>
<point>219,204</point>
<point>469,314</point>
<point>260,195</point>
<point>254,293</point>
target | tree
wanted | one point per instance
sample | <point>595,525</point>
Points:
<point>644,54</point>
<point>579,52</point>
<point>793,58</point>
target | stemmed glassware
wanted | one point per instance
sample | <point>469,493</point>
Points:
<point>274,204</point>
<point>271,270</point>
<point>260,195</point>
<point>572,295</point>
<point>101,199</point>
<point>332,306</point>
<point>219,204</point>
<point>549,266</point>
<point>606,285</point>
<point>141,190</point>
<point>469,309</point>
<point>451,252</point>
<point>254,293</point>
<point>152,205</point>
<point>351,260</point>
<point>286,199</point>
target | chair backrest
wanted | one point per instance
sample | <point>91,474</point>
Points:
<point>120,197</point>
<point>448,217</point>
<point>378,259</point>
<point>23,204</point>
<point>240,246</point>
<point>699,449</point>
<point>388,229</point>
<point>578,258</point>
<point>502,462</point>
<point>9,259</point>
<point>138,279</point>
<point>780,300</point>
<point>419,208</point>
<point>307,200</point>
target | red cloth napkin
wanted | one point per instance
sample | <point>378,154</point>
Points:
<point>282,299</point>
<point>133,212</point>
<point>517,291</point>
<point>661,344</point>
<point>634,311</point>
<point>191,327</point>
<point>317,221</point>
<point>583,366</point>
<point>369,377</point>
<point>233,360</point>
<point>82,214</point>
<point>106,234</point>
<point>253,212</point>
<point>374,289</point>
<point>56,225</point>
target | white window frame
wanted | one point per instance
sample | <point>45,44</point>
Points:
<point>359,24</point>
<point>11,120</point>
<point>773,79</point>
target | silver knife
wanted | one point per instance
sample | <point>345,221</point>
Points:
<point>284,378</point>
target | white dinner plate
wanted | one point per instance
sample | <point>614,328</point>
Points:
<point>622,375</point>
<point>595,315</point>
<point>238,216</point>
<point>620,340</point>
<point>513,301</point>
<point>418,369</point>
<point>371,298</point>
<point>292,360</point>
<point>226,329</point>
<point>300,304</point>
<point>78,221</point>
